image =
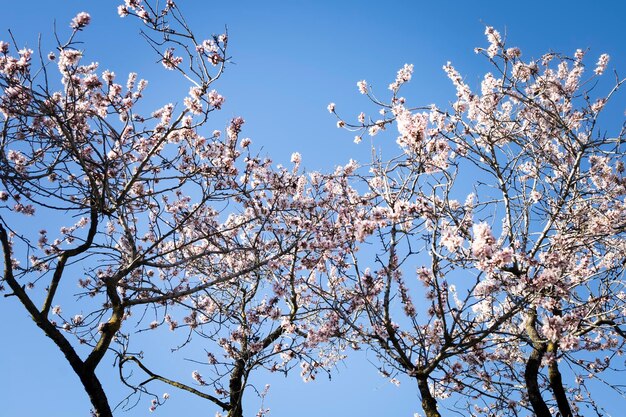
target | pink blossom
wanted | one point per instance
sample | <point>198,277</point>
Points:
<point>25,56</point>
<point>27,209</point>
<point>122,11</point>
<point>502,257</point>
<point>404,75</point>
<point>483,244</point>
<point>579,54</point>
<point>215,99</point>
<point>598,105</point>
<point>69,57</point>
<point>143,15</point>
<point>412,128</point>
<point>603,61</point>
<point>209,45</point>
<point>170,61</point>
<point>193,105</point>
<point>235,127</point>
<point>535,196</point>
<point>495,41</point>
<point>196,92</point>
<point>451,240</point>
<point>513,53</point>
<point>308,371</point>
<point>521,71</point>
<point>552,328</point>
<point>81,20</point>
<point>362,85</point>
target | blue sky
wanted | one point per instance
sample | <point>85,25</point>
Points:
<point>291,59</point>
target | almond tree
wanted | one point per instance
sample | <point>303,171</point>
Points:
<point>145,212</point>
<point>508,208</point>
<point>267,318</point>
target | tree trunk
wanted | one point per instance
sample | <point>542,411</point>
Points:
<point>531,373</point>
<point>96,393</point>
<point>556,383</point>
<point>531,376</point>
<point>236,389</point>
<point>86,374</point>
<point>429,404</point>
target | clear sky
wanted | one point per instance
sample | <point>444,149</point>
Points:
<point>291,59</point>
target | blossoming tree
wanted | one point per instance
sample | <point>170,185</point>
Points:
<point>508,208</point>
<point>267,317</point>
<point>146,214</point>
<point>495,274</point>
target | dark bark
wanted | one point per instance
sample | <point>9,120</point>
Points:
<point>531,373</point>
<point>236,389</point>
<point>96,393</point>
<point>556,383</point>
<point>87,375</point>
<point>429,404</point>
<point>531,376</point>
<point>110,328</point>
<point>154,376</point>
